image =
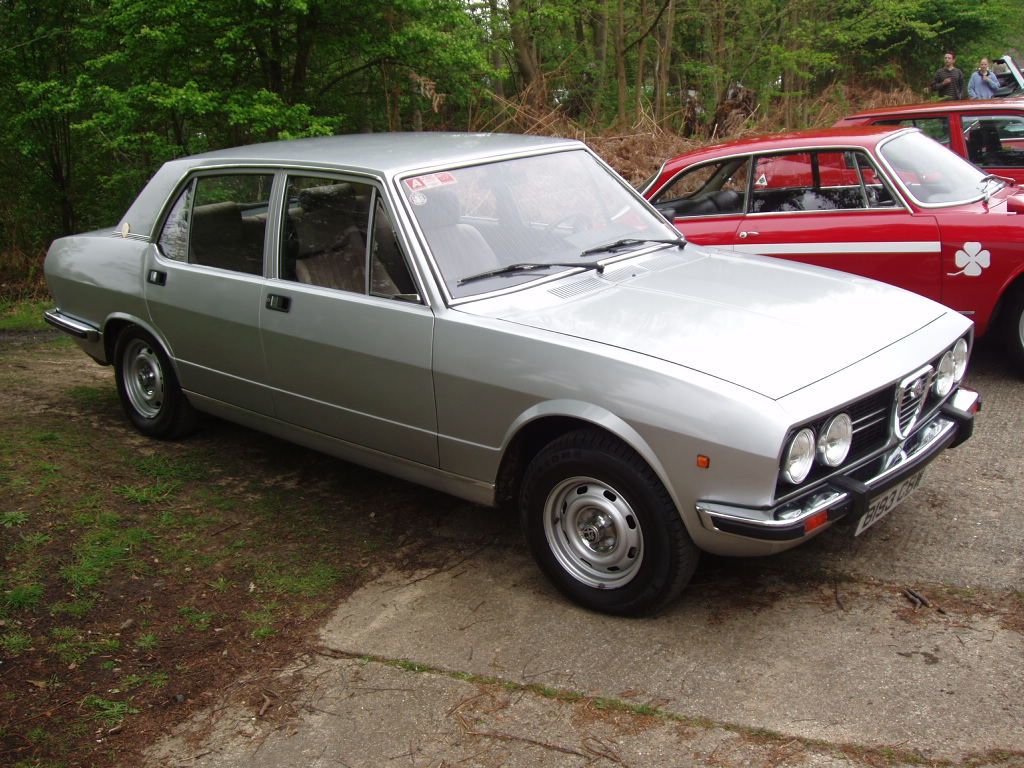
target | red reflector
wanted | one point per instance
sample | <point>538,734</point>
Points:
<point>816,521</point>
<point>703,462</point>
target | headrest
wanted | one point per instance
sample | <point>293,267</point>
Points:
<point>333,196</point>
<point>441,209</point>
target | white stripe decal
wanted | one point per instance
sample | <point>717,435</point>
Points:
<point>775,249</point>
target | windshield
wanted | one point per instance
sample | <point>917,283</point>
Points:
<point>931,173</point>
<point>546,210</point>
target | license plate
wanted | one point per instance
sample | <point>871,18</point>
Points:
<point>884,504</point>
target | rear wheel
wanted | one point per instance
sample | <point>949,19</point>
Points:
<point>602,527</point>
<point>148,387</point>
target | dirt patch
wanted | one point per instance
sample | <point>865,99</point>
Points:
<point>142,578</point>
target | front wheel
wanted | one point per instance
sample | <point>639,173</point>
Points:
<point>602,527</point>
<point>148,387</point>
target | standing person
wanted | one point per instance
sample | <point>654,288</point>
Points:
<point>949,81</point>
<point>983,83</point>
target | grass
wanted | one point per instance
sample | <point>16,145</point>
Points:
<point>13,518</point>
<point>23,315</point>
<point>130,566</point>
<point>111,712</point>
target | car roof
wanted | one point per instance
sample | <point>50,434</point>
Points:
<point>857,135</point>
<point>940,107</point>
<point>381,153</point>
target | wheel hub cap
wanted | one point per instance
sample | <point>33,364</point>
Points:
<point>593,533</point>
<point>143,379</point>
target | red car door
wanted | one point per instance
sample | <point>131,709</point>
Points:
<point>839,213</point>
<point>706,201</point>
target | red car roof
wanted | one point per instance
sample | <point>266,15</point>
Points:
<point>866,136</point>
<point>937,107</point>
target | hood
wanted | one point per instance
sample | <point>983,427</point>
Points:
<point>768,325</point>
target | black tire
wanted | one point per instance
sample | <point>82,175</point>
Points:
<point>1013,328</point>
<point>148,387</point>
<point>603,528</point>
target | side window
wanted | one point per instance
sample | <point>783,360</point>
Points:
<point>325,232</point>
<point>780,182</point>
<point>877,191</point>
<point>174,236</point>
<point>389,271</point>
<point>818,181</point>
<point>933,127</point>
<point>708,190</point>
<point>229,222</point>
<point>995,140</point>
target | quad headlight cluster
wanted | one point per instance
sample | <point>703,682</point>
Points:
<point>831,444</point>
<point>830,448</point>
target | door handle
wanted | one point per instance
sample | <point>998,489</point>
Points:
<point>156,277</point>
<point>278,303</point>
<point>744,235</point>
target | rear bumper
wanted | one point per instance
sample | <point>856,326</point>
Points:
<point>847,496</point>
<point>76,328</point>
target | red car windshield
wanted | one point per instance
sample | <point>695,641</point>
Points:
<point>933,175</point>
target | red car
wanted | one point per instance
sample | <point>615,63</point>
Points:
<point>989,133</point>
<point>887,203</point>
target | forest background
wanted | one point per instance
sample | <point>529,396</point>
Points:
<point>96,94</point>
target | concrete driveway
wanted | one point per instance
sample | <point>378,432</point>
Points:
<point>817,657</point>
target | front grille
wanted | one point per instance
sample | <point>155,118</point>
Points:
<point>871,418</point>
<point>910,398</point>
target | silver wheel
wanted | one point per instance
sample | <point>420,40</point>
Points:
<point>593,533</point>
<point>143,378</point>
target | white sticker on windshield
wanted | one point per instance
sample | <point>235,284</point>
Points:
<point>418,198</point>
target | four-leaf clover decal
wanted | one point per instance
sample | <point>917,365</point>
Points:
<point>972,259</point>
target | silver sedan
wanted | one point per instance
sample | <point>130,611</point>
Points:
<point>503,318</point>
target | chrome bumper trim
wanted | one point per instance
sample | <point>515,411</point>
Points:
<point>76,328</point>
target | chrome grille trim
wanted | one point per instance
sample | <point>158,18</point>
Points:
<point>910,398</point>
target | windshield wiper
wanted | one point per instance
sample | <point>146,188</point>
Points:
<point>631,241</point>
<point>529,266</point>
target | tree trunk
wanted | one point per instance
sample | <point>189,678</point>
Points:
<point>523,45</point>
<point>620,62</point>
<point>641,50</point>
<point>661,82</point>
<point>496,59</point>
<point>599,30</point>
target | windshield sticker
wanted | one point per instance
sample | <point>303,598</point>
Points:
<point>418,198</point>
<point>430,180</point>
<point>972,260</point>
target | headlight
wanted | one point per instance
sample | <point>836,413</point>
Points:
<point>944,374</point>
<point>835,440</point>
<point>959,360</point>
<point>799,457</point>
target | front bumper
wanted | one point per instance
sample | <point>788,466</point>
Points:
<point>849,495</point>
